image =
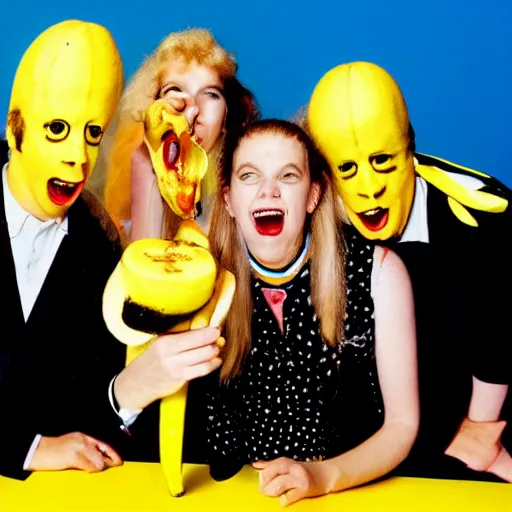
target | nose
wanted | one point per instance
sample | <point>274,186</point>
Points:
<point>369,185</point>
<point>269,188</point>
<point>75,153</point>
<point>191,112</point>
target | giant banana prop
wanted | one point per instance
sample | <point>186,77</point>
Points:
<point>163,286</point>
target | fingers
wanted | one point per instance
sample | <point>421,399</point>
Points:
<point>111,457</point>
<point>260,464</point>
<point>178,102</point>
<point>277,486</point>
<point>201,370</point>
<point>502,466</point>
<point>91,459</point>
<point>291,496</point>
<point>177,343</point>
<point>273,469</point>
<point>93,455</point>
<point>197,356</point>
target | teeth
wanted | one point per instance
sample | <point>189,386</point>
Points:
<point>369,213</point>
<point>64,184</point>
<point>268,213</point>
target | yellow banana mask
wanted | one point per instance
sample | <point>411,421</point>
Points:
<point>358,118</point>
<point>66,89</point>
<point>179,162</point>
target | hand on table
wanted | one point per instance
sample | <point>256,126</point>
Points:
<point>290,480</point>
<point>73,451</point>
<point>477,444</point>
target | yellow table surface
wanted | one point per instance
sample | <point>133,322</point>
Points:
<point>140,486</point>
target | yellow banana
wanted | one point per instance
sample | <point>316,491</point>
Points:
<point>474,199</point>
<point>173,408</point>
<point>222,297</point>
<point>172,425</point>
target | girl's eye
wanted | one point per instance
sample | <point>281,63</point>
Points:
<point>170,89</point>
<point>248,177</point>
<point>290,176</point>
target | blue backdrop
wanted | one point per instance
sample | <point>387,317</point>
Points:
<point>453,59</point>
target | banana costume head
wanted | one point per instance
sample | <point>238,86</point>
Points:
<point>179,162</point>
<point>65,92</point>
<point>358,118</point>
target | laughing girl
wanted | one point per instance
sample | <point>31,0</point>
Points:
<point>318,388</point>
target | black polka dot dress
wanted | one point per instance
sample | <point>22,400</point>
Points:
<point>297,397</point>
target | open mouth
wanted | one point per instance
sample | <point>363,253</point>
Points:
<point>63,192</point>
<point>376,219</point>
<point>269,222</point>
<point>171,150</point>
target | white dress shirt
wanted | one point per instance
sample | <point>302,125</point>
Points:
<point>417,226</point>
<point>34,244</point>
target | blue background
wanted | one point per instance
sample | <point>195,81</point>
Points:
<point>452,58</point>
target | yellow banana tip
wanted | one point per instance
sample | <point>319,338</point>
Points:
<point>221,342</point>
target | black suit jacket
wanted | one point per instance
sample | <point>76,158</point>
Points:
<point>462,281</point>
<point>55,368</point>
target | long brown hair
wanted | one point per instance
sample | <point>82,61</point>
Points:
<point>328,289</point>
<point>111,179</point>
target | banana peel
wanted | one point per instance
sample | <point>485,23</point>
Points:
<point>212,313</point>
<point>459,197</point>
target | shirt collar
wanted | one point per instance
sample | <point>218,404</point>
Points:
<point>417,224</point>
<point>17,216</point>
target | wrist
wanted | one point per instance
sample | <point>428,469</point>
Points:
<point>37,460</point>
<point>127,395</point>
<point>330,477</point>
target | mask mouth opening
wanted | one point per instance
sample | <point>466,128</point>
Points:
<point>268,221</point>
<point>374,219</point>
<point>63,192</point>
<point>171,151</point>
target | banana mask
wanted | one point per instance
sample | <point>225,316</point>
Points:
<point>358,118</point>
<point>66,89</point>
<point>179,162</point>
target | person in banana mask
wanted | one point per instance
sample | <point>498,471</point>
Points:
<point>451,226</point>
<point>57,252</point>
